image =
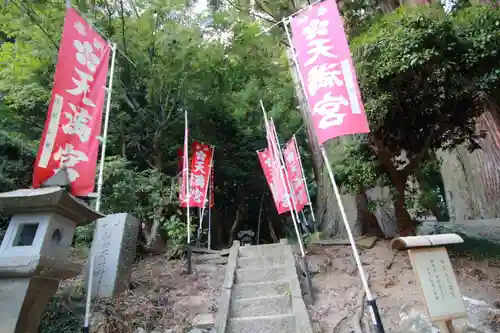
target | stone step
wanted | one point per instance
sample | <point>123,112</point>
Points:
<point>261,250</point>
<point>261,306</point>
<point>258,262</point>
<point>262,274</point>
<point>264,324</point>
<point>260,289</point>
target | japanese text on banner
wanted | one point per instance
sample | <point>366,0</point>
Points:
<point>199,175</point>
<point>73,124</point>
<point>295,175</point>
<point>275,184</point>
<point>326,67</point>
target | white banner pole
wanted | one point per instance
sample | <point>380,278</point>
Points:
<point>90,270</point>
<point>287,178</point>
<point>371,300</point>
<point>202,209</point>
<point>210,214</point>
<point>186,166</point>
<point>208,180</point>
<point>304,178</point>
<point>288,197</point>
<point>105,132</point>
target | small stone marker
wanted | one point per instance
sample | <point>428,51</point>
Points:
<point>203,321</point>
<point>435,276</point>
<point>114,247</point>
<point>246,236</point>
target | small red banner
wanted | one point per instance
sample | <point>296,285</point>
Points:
<point>271,172</point>
<point>294,170</point>
<point>73,124</point>
<point>199,175</point>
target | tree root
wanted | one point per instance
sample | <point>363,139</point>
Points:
<point>339,322</point>
<point>358,315</point>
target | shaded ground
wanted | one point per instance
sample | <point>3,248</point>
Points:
<point>162,299</point>
<point>392,280</point>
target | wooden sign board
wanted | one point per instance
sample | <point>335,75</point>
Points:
<point>435,275</point>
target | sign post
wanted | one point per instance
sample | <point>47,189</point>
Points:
<point>435,276</point>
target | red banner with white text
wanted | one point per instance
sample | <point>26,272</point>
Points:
<point>73,124</point>
<point>294,170</point>
<point>328,72</point>
<point>199,174</point>
<point>275,183</point>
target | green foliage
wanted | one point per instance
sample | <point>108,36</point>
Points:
<point>475,248</point>
<point>178,64</point>
<point>355,166</point>
<point>414,80</point>
<point>480,27</point>
<point>59,318</point>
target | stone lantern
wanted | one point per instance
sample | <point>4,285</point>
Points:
<point>34,252</point>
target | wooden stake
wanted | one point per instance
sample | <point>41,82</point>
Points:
<point>446,327</point>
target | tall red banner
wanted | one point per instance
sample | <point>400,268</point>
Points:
<point>328,74</point>
<point>275,183</point>
<point>294,170</point>
<point>73,124</point>
<point>199,175</point>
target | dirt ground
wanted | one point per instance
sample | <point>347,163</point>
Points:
<point>392,281</point>
<point>162,297</point>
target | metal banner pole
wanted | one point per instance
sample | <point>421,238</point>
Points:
<point>90,273</point>
<point>188,194</point>
<point>304,179</point>
<point>200,225</point>
<point>374,312</point>
<point>210,216</point>
<point>290,201</point>
<point>106,125</point>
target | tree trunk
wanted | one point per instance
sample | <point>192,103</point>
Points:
<point>236,223</point>
<point>405,223</point>
<point>272,232</point>
<point>472,180</point>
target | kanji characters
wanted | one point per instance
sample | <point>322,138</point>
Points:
<point>199,180</point>
<point>316,28</point>
<point>323,76</point>
<point>86,56</point>
<point>82,86</point>
<point>319,47</point>
<point>197,195</point>
<point>78,123</point>
<point>200,156</point>
<point>328,107</point>
<point>69,157</point>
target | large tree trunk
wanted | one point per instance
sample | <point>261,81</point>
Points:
<point>472,180</point>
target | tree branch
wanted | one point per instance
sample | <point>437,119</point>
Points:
<point>37,23</point>
<point>417,159</point>
<point>238,7</point>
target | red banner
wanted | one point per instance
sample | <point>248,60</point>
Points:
<point>275,182</point>
<point>294,170</point>
<point>199,175</point>
<point>278,176</point>
<point>328,73</point>
<point>73,122</point>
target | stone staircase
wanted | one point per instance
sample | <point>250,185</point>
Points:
<point>261,292</point>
